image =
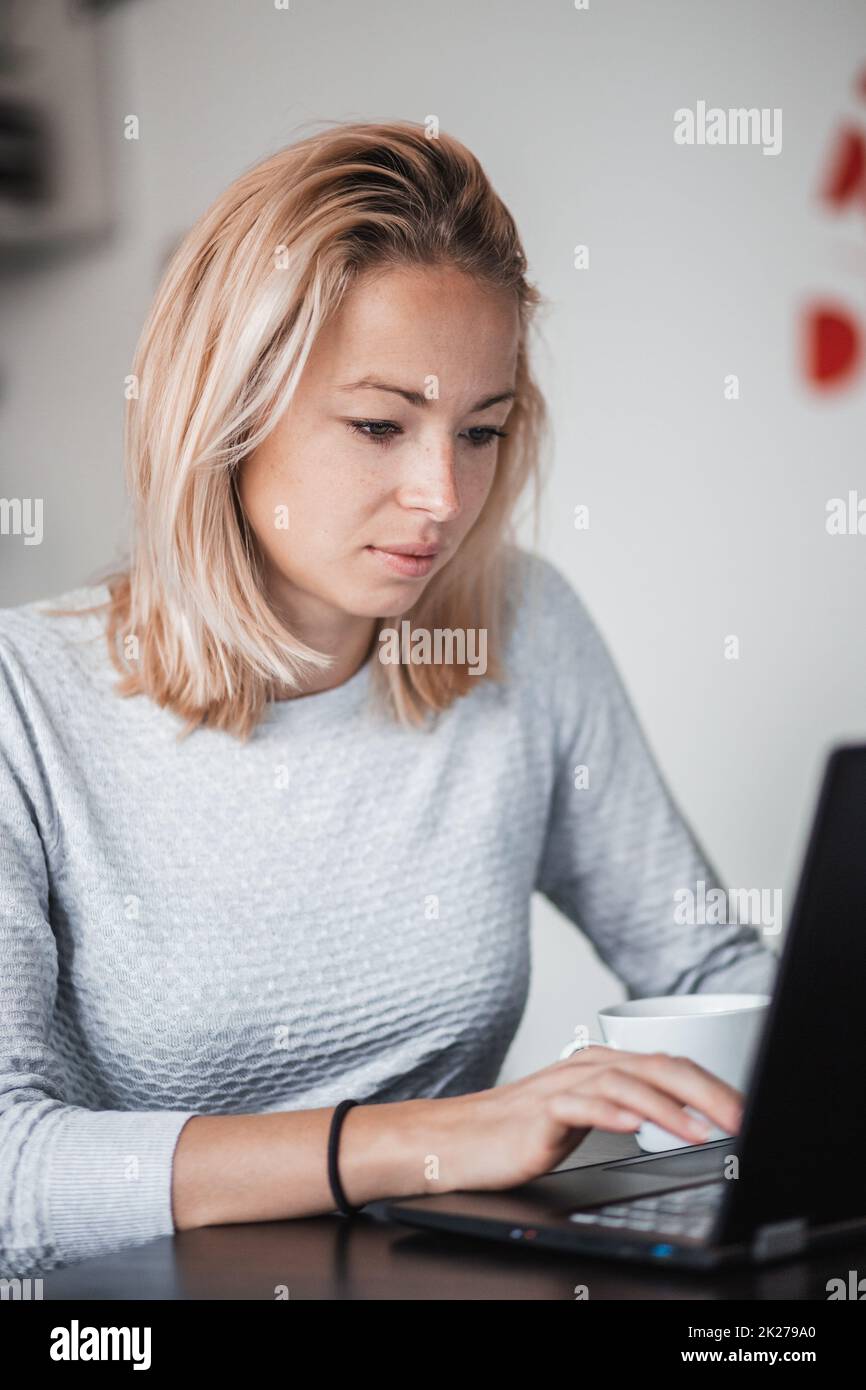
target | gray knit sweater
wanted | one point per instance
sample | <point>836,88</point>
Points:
<point>339,908</point>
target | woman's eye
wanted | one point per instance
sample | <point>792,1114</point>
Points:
<point>488,434</point>
<point>383,431</point>
<point>363,426</point>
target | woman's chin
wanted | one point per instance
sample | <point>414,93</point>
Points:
<point>385,604</point>
<point>388,596</point>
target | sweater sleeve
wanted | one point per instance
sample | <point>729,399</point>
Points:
<point>619,859</point>
<point>74,1182</point>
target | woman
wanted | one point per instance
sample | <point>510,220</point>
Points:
<point>288,859</point>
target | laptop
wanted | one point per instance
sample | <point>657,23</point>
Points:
<point>801,1148</point>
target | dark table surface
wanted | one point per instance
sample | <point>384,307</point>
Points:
<point>328,1257</point>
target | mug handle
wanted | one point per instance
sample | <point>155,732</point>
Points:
<point>576,1045</point>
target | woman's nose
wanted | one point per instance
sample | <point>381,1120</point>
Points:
<point>431,483</point>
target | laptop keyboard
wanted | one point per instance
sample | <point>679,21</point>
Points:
<point>688,1212</point>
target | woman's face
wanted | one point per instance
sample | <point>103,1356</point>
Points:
<point>388,445</point>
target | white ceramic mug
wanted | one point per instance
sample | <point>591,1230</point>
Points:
<point>718,1031</point>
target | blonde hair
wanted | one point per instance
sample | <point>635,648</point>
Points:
<point>223,347</point>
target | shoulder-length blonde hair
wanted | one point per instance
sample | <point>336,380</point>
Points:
<point>236,314</point>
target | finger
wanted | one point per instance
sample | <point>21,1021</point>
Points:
<point>694,1085</point>
<point>577,1111</point>
<point>583,1054</point>
<point>682,1078</point>
<point>630,1092</point>
<point>685,1080</point>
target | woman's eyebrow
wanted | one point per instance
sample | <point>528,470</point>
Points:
<point>417,397</point>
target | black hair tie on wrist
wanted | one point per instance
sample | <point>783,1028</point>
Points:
<point>343,1206</point>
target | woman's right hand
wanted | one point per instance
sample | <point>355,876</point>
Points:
<point>505,1136</point>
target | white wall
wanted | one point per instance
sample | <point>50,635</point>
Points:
<point>707,515</point>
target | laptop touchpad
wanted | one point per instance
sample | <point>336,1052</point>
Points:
<point>704,1162</point>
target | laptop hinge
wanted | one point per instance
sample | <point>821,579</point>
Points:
<point>779,1238</point>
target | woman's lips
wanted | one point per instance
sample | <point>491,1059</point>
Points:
<point>410,566</point>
